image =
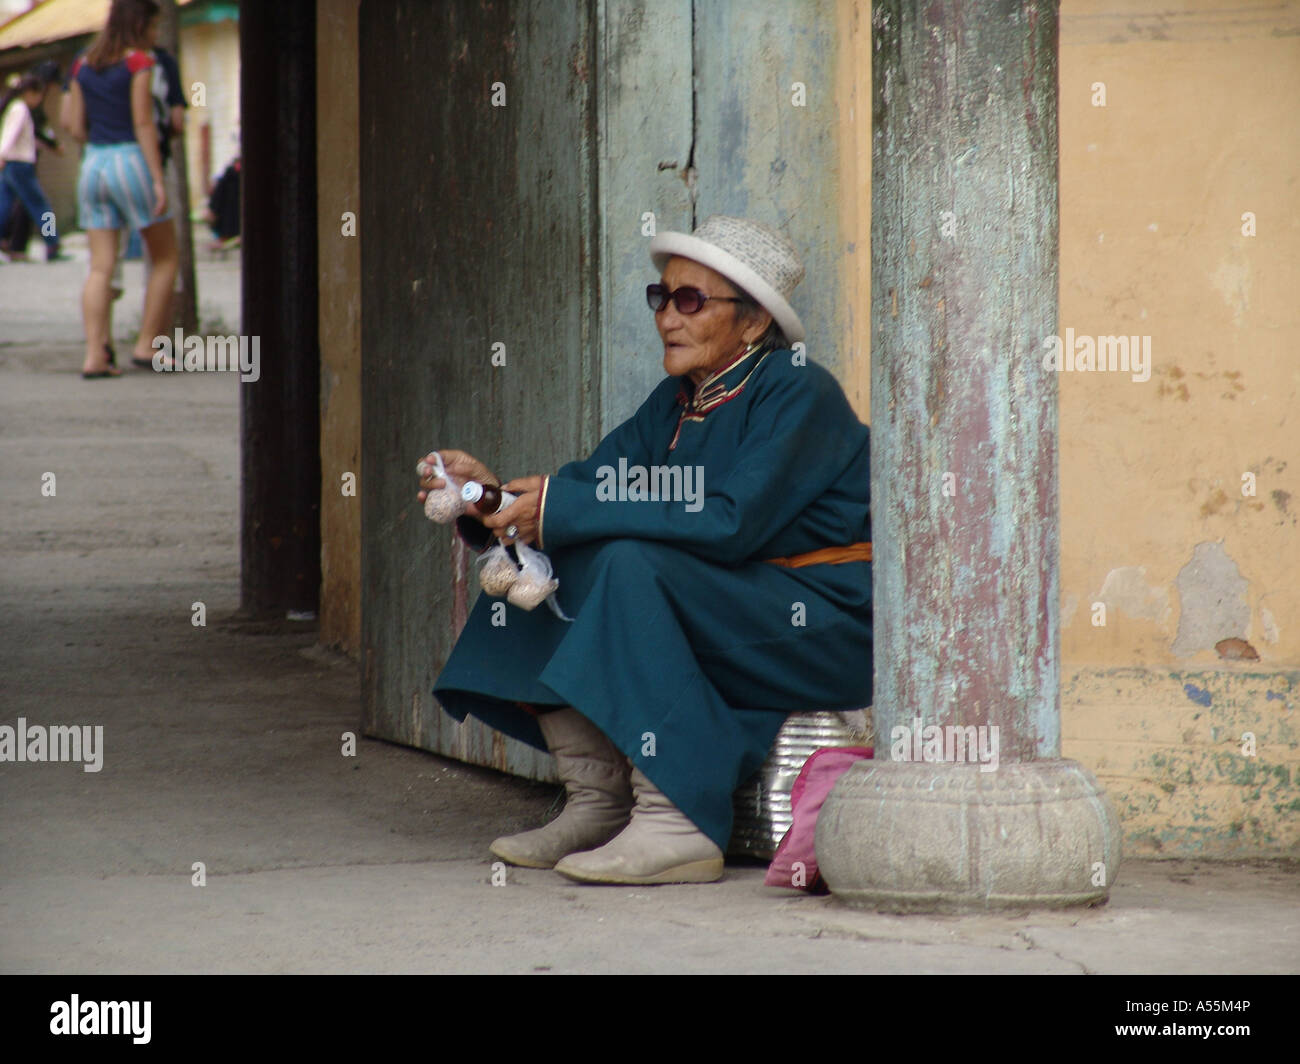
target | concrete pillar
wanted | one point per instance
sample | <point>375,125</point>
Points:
<point>964,484</point>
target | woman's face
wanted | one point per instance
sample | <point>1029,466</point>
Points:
<point>696,345</point>
<point>33,97</point>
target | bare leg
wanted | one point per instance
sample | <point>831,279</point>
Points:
<point>95,298</point>
<point>160,240</point>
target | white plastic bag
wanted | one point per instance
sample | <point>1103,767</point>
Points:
<point>498,572</point>
<point>536,583</point>
<point>445,504</point>
<point>527,584</point>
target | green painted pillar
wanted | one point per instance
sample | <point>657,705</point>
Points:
<point>967,805</point>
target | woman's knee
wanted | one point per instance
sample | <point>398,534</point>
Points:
<point>161,241</point>
<point>627,553</point>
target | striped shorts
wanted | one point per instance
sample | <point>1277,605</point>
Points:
<point>115,190</point>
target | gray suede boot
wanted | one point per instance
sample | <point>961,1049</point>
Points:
<point>599,795</point>
<point>660,845</point>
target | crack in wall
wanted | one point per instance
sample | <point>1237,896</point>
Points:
<point>689,172</point>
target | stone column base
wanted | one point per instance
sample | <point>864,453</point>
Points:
<point>903,837</point>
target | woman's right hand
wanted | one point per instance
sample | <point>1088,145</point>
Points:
<point>160,198</point>
<point>461,466</point>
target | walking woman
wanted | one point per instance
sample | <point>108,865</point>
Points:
<point>109,106</point>
<point>18,160</point>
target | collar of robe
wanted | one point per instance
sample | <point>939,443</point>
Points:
<point>719,387</point>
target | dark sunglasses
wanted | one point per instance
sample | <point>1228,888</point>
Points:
<point>688,300</point>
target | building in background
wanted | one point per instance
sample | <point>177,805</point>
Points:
<point>209,62</point>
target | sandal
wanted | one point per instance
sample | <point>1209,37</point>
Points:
<point>147,363</point>
<point>110,370</point>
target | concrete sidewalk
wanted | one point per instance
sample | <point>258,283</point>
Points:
<point>222,746</point>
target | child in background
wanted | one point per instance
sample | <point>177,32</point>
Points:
<point>18,161</point>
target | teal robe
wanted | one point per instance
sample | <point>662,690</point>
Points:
<point>686,648</point>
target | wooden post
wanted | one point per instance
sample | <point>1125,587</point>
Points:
<point>280,412</point>
<point>963,417</point>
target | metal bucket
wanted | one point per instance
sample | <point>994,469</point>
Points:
<point>762,803</point>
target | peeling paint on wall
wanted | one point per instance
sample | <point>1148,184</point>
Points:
<point>1126,588</point>
<point>1069,604</point>
<point>1209,764</point>
<point>1235,649</point>
<point>1269,624</point>
<point>1282,500</point>
<point>1232,279</point>
<point>1212,595</point>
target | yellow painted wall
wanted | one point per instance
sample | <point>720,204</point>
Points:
<point>853,134</point>
<point>1197,129</point>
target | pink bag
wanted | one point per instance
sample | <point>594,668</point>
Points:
<point>795,862</point>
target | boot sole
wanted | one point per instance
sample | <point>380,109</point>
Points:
<point>518,862</point>
<point>498,850</point>
<point>706,871</point>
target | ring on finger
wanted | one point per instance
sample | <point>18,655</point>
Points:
<point>512,531</point>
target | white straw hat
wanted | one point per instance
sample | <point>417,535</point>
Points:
<point>751,255</point>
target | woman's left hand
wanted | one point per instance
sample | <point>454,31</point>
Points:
<point>522,513</point>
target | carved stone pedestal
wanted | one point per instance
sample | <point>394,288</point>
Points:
<point>944,837</point>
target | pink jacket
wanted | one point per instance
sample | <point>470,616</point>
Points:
<point>18,134</point>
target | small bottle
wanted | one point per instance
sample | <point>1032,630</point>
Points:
<point>488,499</point>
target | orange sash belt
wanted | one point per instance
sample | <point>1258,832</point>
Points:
<point>854,552</point>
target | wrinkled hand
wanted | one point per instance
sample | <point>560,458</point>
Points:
<point>522,513</point>
<point>461,466</point>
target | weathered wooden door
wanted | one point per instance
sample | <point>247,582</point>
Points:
<point>516,158</point>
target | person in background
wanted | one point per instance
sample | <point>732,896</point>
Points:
<point>169,114</point>
<point>109,106</point>
<point>18,160</point>
<point>223,207</point>
<point>17,228</point>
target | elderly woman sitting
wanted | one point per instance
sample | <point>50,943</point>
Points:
<point>698,623</point>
